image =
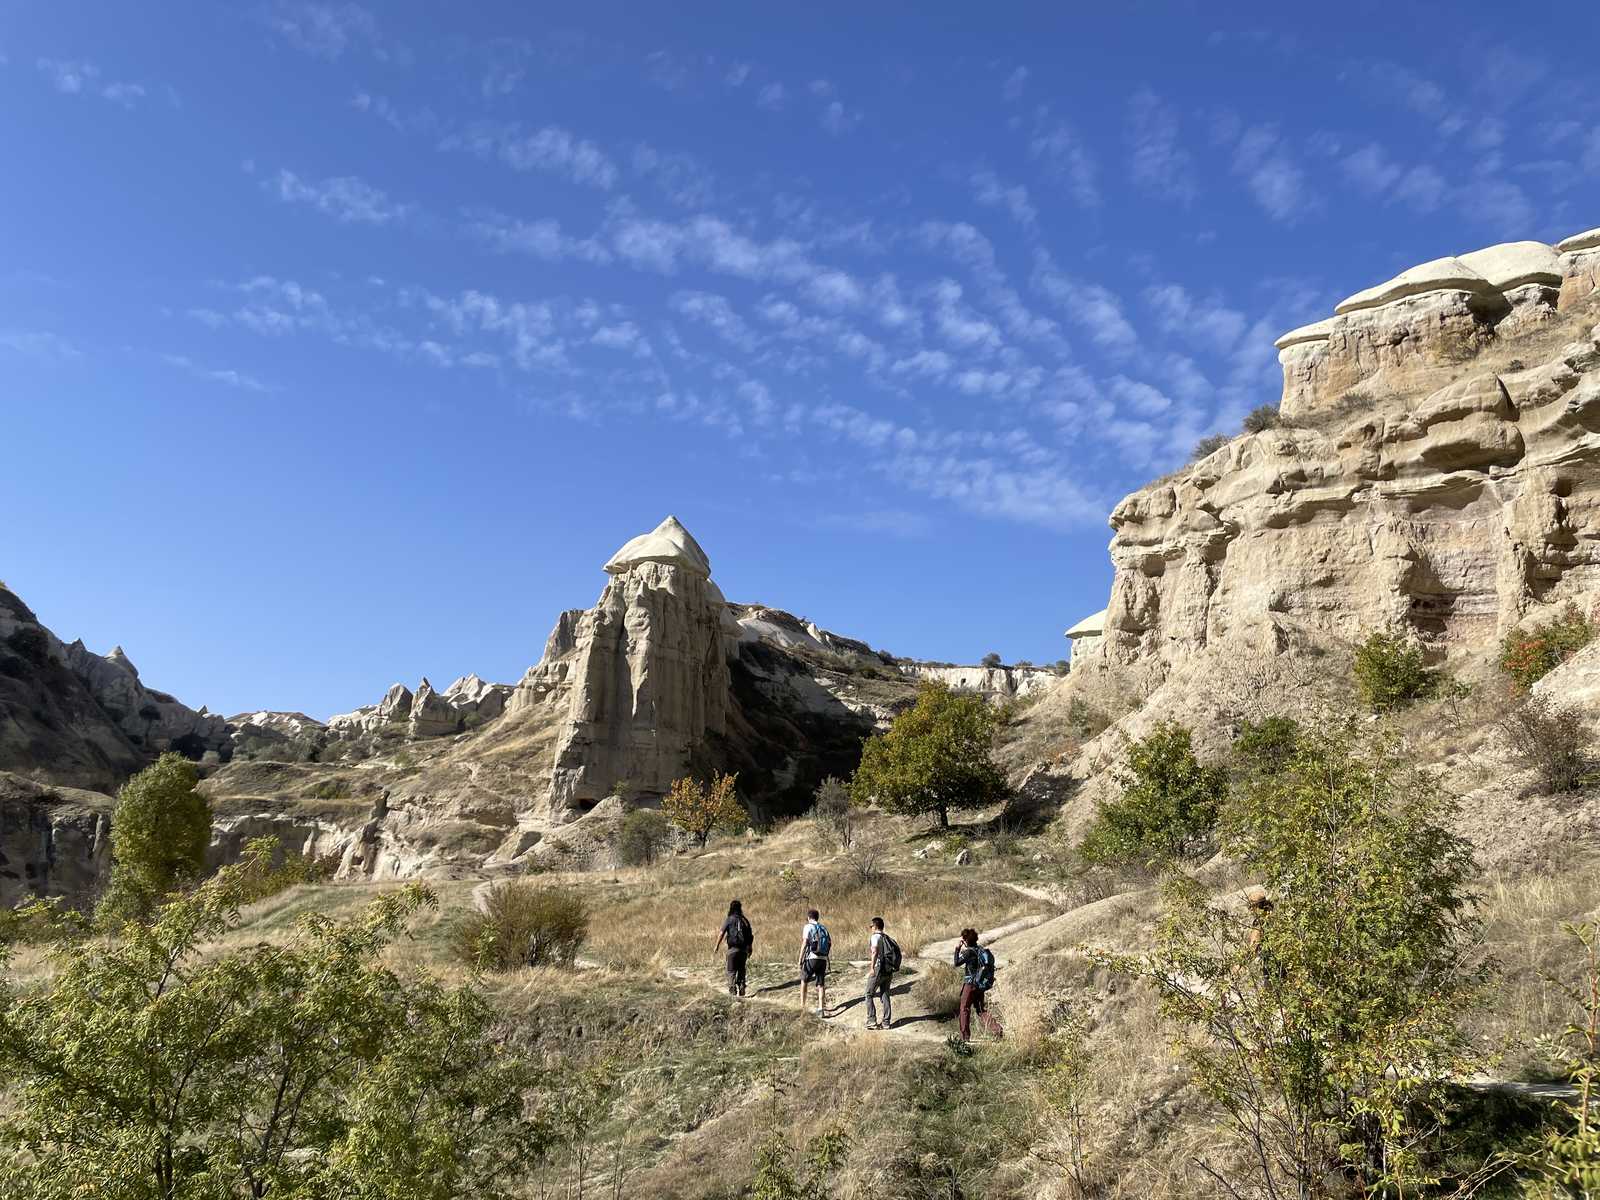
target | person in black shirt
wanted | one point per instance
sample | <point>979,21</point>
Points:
<point>740,939</point>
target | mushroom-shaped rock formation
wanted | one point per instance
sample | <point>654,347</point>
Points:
<point>670,543</point>
<point>1317,331</point>
<point>1440,275</point>
<point>1512,264</point>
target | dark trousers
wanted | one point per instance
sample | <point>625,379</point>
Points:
<point>972,1002</point>
<point>736,963</point>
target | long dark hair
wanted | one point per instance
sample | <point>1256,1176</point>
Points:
<point>734,909</point>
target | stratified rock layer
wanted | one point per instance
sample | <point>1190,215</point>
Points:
<point>54,841</point>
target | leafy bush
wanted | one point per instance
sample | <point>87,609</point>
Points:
<point>331,789</point>
<point>1265,745</point>
<point>835,815</point>
<point>160,830</point>
<point>991,659</point>
<point>522,925</point>
<point>1550,739</point>
<point>298,1068</point>
<point>1168,807</point>
<point>698,810</point>
<point>641,837</point>
<point>1389,672</point>
<point>1259,420</point>
<point>1208,446</point>
<point>1528,655</point>
<point>790,885</point>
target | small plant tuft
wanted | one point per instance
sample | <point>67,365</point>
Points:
<point>1259,420</point>
<point>1208,446</point>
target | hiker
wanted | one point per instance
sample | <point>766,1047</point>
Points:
<point>883,955</point>
<point>741,939</point>
<point>815,946</point>
<point>977,977</point>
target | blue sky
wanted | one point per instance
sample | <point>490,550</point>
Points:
<point>342,342</point>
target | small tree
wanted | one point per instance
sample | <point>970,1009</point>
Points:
<point>991,659</point>
<point>1168,806</point>
<point>835,815</point>
<point>1208,446</point>
<point>1551,739</point>
<point>160,830</point>
<point>698,810</point>
<point>641,837</point>
<point>1327,1025</point>
<point>1528,655</point>
<point>1389,672</point>
<point>937,756</point>
<point>1067,1087</point>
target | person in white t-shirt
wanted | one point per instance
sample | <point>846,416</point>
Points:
<point>815,946</point>
<point>879,978</point>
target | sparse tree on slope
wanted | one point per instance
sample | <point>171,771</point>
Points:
<point>699,810</point>
<point>160,829</point>
<point>1325,1022</point>
<point>937,756</point>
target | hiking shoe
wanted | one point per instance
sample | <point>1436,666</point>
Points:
<point>873,1025</point>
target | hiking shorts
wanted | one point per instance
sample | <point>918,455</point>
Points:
<point>814,970</point>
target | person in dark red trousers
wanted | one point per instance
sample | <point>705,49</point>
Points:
<point>977,977</point>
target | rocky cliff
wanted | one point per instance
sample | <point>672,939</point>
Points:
<point>54,841</point>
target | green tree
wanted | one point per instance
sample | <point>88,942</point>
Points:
<point>1168,806</point>
<point>1325,1022</point>
<point>159,1066</point>
<point>937,756</point>
<point>160,830</point>
<point>699,810</point>
<point>834,812</point>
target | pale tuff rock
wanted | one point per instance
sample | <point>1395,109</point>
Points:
<point>1404,335</point>
<point>54,841</point>
<point>1452,513</point>
<point>668,543</point>
<point>649,680</point>
<point>1587,240</point>
<point>994,683</point>
<point>426,713</point>
<point>1086,636</point>
<point>153,720</point>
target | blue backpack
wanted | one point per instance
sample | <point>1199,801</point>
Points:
<point>820,943</point>
<point>986,967</point>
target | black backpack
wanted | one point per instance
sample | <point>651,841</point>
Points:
<point>888,955</point>
<point>986,969</point>
<point>741,937</point>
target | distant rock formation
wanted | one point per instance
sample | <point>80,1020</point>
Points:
<point>425,713</point>
<point>79,719</point>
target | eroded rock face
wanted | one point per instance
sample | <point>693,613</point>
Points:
<point>54,841</point>
<point>1454,512</point>
<point>648,680</point>
<point>153,721</point>
<point>1406,335</point>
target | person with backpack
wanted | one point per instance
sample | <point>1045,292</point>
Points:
<point>977,977</point>
<point>883,955</point>
<point>740,939</point>
<point>816,944</point>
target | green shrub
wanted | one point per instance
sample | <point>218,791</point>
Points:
<point>1528,655</point>
<point>1389,672</point>
<point>1168,808</point>
<point>642,836</point>
<point>331,789</point>
<point>1208,446</point>
<point>835,815</point>
<point>1259,420</point>
<point>522,925</point>
<point>1265,745</point>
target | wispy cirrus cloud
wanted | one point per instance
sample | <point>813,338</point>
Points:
<point>325,30</point>
<point>1056,146</point>
<point>223,375</point>
<point>989,190</point>
<point>1157,161</point>
<point>76,77</point>
<point>551,149</point>
<point>344,198</point>
<point>39,344</point>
